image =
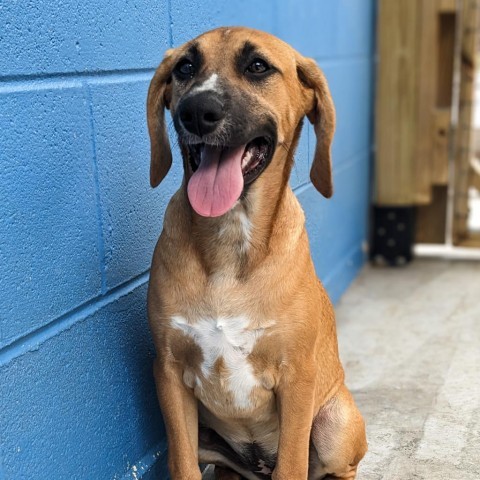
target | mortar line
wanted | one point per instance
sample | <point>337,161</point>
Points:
<point>334,60</point>
<point>31,341</point>
<point>65,75</point>
<point>98,200</point>
<point>170,23</point>
<point>92,75</point>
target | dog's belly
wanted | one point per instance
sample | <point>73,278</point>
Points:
<point>235,400</point>
<point>259,425</point>
<point>248,431</point>
<point>250,442</point>
<point>233,395</point>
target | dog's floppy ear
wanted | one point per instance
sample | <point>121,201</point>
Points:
<point>159,96</point>
<point>321,113</point>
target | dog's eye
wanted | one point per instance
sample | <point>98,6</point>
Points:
<point>258,66</point>
<point>185,69</point>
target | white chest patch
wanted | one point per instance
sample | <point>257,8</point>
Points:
<point>231,340</point>
<point>241,226</point>
<point>246,228</point>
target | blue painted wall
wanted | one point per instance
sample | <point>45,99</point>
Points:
<point>78,220</point>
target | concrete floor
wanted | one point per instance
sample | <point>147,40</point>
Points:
<point>410,343</point>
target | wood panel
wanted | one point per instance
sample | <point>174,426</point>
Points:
<point>417,146</point>
<point>445,52</point>
<point>447,6</point>
<point>396,107</point>
<point>464,143</point>
<point>431,219</point>
<point>441,147</point>
<point>427,98</point>
<point>475,175</point>
<point>414,96</point>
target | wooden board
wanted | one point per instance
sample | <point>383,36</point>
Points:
<point>396,106</point>
<point>445,52</point>
<point>464,138</point>
<point>424,166</point>
<point>414,94</point>
<point>431,219</point>
<point>417,146</point>
<point>475,178</point>
<point>441,146</point>
<point>447,6</point>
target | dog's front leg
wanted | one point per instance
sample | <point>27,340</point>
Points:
<point>295,399</point>
<point>180,414</point>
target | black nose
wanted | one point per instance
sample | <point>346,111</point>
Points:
<point>201,113</point>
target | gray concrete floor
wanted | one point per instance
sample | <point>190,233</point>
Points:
<point>410,343</point>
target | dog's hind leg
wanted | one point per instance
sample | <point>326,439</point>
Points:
<point>338,440</point>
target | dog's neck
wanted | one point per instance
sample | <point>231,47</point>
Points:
<point>266,221</point>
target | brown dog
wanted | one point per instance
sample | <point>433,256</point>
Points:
<point>248,374</point>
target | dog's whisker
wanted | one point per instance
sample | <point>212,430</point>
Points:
<point>286,146</point>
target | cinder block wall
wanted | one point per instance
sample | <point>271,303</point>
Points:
<point>78,220</point>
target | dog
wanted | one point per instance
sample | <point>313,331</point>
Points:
<point>247,371</point>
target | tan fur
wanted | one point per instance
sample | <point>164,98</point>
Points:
<point>205,268</point>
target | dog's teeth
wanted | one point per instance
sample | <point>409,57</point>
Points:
<point>246,158</point>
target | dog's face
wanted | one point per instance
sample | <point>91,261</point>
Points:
<point>237,98</point>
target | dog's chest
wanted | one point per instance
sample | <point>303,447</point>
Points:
<point>226,378</point>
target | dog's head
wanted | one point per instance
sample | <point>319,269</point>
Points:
<point>237,97</point>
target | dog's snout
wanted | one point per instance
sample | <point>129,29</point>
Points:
<point>200,114</point>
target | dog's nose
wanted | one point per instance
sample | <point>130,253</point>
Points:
<point>201,113</point>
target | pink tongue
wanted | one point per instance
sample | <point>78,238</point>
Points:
<point>218,182</point>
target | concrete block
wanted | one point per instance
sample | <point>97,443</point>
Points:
<point>330,28</point>
<point>218,13</point>
<point>351,87</point>
<point>303,159</point>
<point>356,27</point>
<point>309,26</point>
<point>337,226</point>
<point>49,246</point>
<point>84,405</point>
<point>132,212</point>
<point>69,36</point>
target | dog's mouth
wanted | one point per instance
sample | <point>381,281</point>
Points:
<point>255,157</point>
<point>221,172</point>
